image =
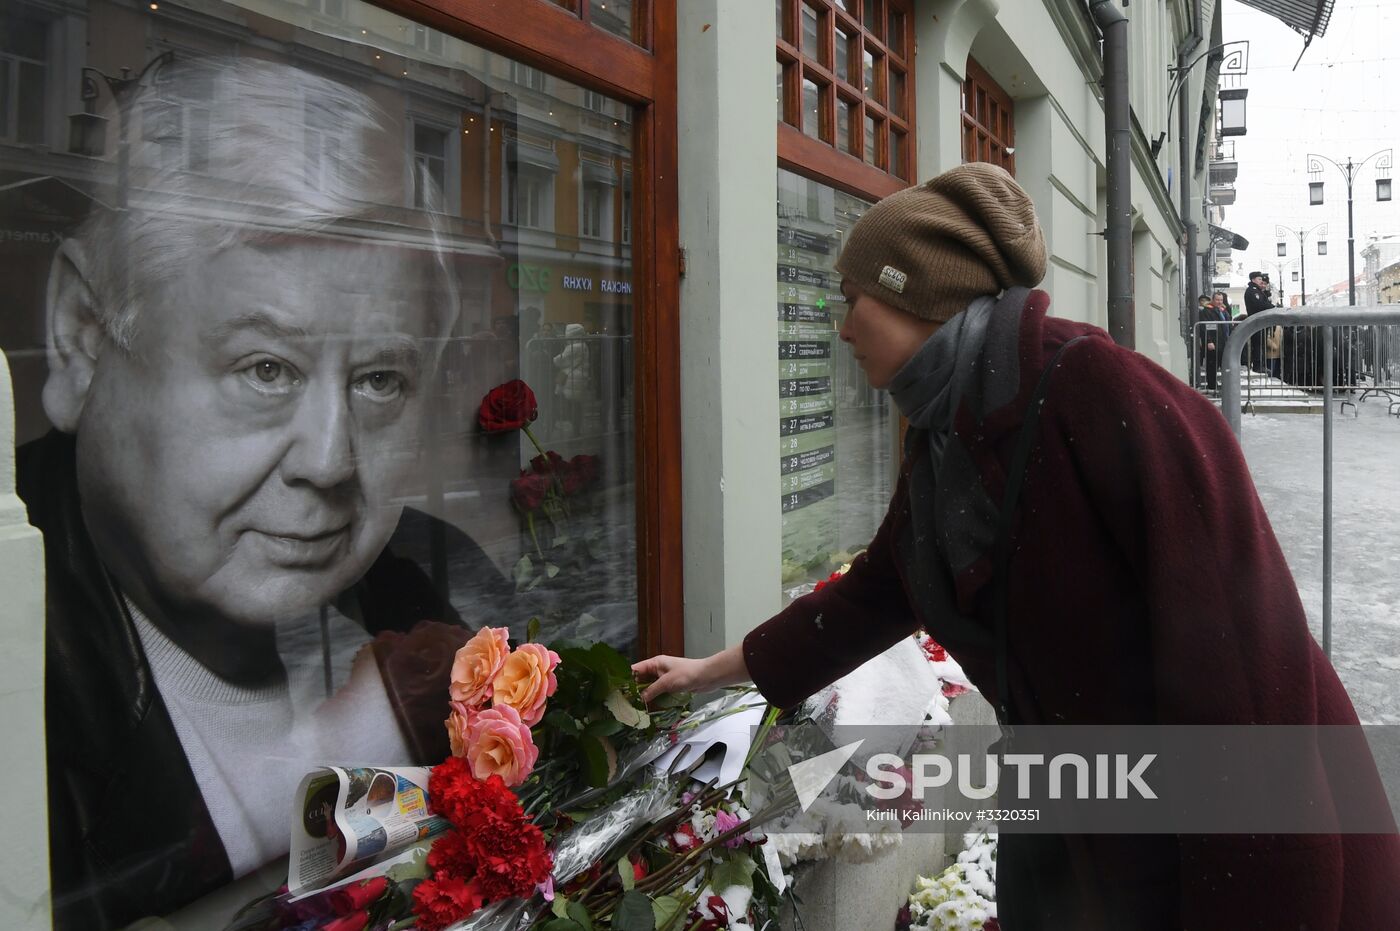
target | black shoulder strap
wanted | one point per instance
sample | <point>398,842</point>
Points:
<point>1015,478</point>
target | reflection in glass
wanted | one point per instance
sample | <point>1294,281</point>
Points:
<point>613,16</point>
<point>811,45</point>
<point>868,71</point>
<point>811,113</point>
<point>843,56</point>
<point>897,92</point>
<point>843,126</point>
<point>836,448</point>
<point>898,154</point>
<point>895,37</point>
<point>275,420</point>
<point>870,152</point>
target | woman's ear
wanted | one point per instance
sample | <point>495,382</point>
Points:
<point>75,337</point>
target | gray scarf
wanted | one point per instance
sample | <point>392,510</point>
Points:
<point>972,362</point>
<point>925,389</point>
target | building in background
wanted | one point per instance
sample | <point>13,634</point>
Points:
<point>612,166</point>
<point>1378,255</point>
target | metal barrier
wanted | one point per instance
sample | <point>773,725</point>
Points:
<point>1333,335</point>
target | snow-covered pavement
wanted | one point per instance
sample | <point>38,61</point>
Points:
<point>1285,454</point>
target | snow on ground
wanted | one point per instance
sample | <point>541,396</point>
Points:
<point>1285,455</point>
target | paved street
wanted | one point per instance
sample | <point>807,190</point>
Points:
<point>1285,454</point>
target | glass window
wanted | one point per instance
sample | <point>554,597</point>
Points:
<point>811,35</point>
<point>843,126</point>
<point>868,72</point>
<point>23,77</point>
<point>873,19</point>
<point>779,23</point>
<point>429,164</point>
<point>836,444</point>
<point>811,108</point>
<point>613,16</point>
<point>303,507</point>
<point>897,98</point>
<point>870,141</point>
<point>895,37</point>
<point>843,56</point>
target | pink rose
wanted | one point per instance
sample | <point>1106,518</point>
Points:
<point>458,723</point>
<point>475,666</point>
<point>499,744</point>
<point>526,680</point>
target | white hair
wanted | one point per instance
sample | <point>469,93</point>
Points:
<point>230,150</point>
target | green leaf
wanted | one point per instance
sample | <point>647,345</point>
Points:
<point>523,572</point>
<point>611,661</point>
<point>664,909</point>
<point>532,630</point>
<point>735,871</point>
<point>563,722</point>
<point>622,709</point>
<point>604,728</point>
<point>626,874</point>
<point>550,570</point>
<point>599,760</point>
<point>580,916</point>
<point>562,924</point>
<point>560,906</point>
<point>634,913</point>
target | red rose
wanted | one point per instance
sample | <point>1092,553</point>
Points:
<point>358,896</point>
<point>528,491</point>
<point>549,462</point>
<point>507,407</point>
<point>639,869</point>
<point>582,472</point>
<point>356,922</point>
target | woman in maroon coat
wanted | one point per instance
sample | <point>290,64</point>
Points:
<point>1135,483</point>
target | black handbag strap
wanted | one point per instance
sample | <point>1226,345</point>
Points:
<point>1015,478</point>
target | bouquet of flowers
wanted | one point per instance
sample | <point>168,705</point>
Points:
<point>547,814</point>
<point>962,897</point>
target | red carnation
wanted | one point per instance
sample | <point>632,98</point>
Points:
<point>445,900</point>
<point>639,869</point>
<point>528,491</point>
<point>507,407</point>
<point>582,471</point>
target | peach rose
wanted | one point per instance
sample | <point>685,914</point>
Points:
<point>476,664</point>
<point>499,744</point>
<point>526,680</point>
<point>458,723</point>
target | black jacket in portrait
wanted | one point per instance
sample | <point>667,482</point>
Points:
<point>129,833</point>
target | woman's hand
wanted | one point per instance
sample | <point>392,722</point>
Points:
<point>681,674</point>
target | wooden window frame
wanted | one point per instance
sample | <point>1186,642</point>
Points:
<point>983,136</point>
<point>820,157</point>
<point>560,41</point>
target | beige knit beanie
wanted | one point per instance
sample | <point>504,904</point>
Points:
<point>931,249</point>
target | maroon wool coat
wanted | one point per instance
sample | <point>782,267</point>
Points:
<point>1146,586</point>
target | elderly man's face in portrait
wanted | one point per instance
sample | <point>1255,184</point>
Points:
<point>242,461</point>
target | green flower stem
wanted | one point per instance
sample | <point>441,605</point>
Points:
<point>530,521</point>
<point>531,437</point>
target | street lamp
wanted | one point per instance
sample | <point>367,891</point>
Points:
<point>1232,111</point>
<point>1349,173</point>
<point>1283,248</point>
<point>1281,231</point>
<point>87,131</point>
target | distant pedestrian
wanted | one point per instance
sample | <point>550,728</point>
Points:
<point>1211,338</point>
